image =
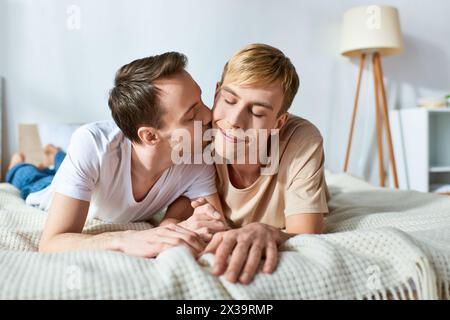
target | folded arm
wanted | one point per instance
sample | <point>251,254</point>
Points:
<point>246,246</point>
<point>202,215</point>
<point>66,219</point>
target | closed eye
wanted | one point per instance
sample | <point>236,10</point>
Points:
<point>229,102</point>
<point>228,98</point>
<point>194,114</point>
<point>257,115</point>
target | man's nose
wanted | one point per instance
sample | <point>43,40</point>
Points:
<point>235,117</point>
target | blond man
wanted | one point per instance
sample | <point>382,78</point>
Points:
<point>256,91</point>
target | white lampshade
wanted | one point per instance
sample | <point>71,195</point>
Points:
<point>368,29</point>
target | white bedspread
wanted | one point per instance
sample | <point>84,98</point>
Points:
<point>379,244</point>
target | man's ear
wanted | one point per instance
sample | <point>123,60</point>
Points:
<point>218,84</point>
<point>148,135</point>
<point>281,121</point>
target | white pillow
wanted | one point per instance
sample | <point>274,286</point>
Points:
<point>57,134</point>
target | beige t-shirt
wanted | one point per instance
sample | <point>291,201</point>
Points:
<point>298,187</point>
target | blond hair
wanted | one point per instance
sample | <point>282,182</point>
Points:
<point>261,64</point>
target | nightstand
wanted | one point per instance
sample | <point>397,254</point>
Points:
<point>421,139</point>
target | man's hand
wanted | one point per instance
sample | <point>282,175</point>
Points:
<point>246,247</point>
<point>149,243</point>
<point>205,221</point>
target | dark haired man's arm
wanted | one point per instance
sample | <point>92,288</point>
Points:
<point>66,219</point>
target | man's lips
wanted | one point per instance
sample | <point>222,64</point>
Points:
<point>229,137</point>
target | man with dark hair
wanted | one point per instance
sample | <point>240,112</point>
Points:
<point>122,170</point>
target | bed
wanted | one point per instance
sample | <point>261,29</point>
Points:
<point>379,244</point>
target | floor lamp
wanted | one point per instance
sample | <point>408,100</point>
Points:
<point>373,31</point>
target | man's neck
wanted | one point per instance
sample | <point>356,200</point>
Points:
<point>244,175</point>
<point>147,166</point>
<point>147,163</point>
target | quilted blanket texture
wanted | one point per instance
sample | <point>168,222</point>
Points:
<point>379,244</point>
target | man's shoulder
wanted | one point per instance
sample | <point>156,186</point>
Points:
<point>105,128</point>
<point>298,130</point>
<point>104,135</point>
<point>301,149</point>
<point>186,174</point>
<point>189,171</point>
<point>298,136</point>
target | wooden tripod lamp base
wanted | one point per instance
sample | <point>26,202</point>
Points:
<point>373,30</point>
<point>381,117</point>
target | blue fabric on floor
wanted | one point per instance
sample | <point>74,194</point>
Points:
<point>28,178</point>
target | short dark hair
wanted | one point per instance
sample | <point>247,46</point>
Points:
<point>133,100</point>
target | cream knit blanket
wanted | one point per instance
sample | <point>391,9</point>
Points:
<point>379,244</point>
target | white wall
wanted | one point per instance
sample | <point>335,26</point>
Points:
<point>54,74</point>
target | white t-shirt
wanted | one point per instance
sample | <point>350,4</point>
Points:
<point>97,168</point>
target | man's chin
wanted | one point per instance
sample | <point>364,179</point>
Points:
<point>221,151</point>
